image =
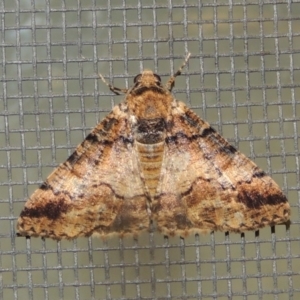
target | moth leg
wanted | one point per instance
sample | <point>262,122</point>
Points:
<point>171,81</point>
<point>115,90</point>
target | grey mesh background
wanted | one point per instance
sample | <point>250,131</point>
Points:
<point>243,77</point>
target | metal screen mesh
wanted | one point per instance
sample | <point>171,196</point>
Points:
<point>243,77</point>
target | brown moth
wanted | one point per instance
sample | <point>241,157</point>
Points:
<point>152,159</point>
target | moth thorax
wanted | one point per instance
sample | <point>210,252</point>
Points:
<point>150,161</point>
<point>150,131</point>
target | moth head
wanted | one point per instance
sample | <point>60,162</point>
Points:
<point>147,78</point>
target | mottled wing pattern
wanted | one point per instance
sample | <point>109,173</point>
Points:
<point>97,190</point>
<point>152,158</point>
<point>206,184</point>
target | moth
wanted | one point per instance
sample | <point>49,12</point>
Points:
<point>152,159</point>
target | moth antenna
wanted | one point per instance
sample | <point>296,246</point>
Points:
<point>171,82</point>
<point>115,90</point>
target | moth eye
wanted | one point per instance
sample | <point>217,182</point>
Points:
<point>137,78</point>
<point>157,77</point>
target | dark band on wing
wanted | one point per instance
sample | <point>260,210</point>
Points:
<point>73,158</point>
<point>108,123</point>
<point>51,210</point>
<point>258,173</point>
<point>254,199</point>
<point>223,146</point>
<point>54,209</point>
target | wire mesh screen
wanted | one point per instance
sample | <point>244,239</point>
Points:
<point>243,77</point>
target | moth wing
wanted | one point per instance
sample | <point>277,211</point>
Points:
<point>98,190</point>
<point>207,185</point>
